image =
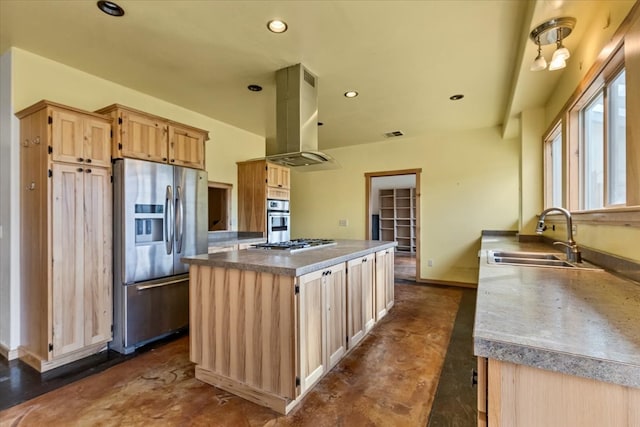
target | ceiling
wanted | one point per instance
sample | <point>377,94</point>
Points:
<point>405,58</point>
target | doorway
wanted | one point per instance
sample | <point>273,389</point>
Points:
<point>219,217</point>
<point>393,214</point>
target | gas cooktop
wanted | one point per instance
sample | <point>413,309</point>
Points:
<point>296,245</point>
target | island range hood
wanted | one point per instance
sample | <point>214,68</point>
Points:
<point>296,143</point>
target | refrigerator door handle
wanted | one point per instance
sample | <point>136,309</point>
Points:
<point>179,219</point>
<point>168,220</point>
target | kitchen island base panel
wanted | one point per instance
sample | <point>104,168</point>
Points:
<point>242,327</point>
<point>267,327</point>
<point>252,394</point>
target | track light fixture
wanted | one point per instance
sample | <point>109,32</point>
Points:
<point>552,31</point>
<point>539,63</point>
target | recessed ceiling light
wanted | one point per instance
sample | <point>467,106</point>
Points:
<point>277,26</point>
<point>351,94</point>
<point>254,88</point>
<point>110,8</point>
<point>456,97</point>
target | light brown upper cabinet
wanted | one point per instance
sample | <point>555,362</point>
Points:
<point>78,137</point>
<point>186,145</point>
<point>278,176</point>
<point>66,234</point>
<point>141,135</point>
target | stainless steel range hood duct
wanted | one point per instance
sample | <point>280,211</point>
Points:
<point>296,143</point>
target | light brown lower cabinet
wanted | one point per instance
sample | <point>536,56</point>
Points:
<point>269,338</point>
<point>322,323</point>
<point>360,298</point>
<point>384,282</point>
<point>482,391</point>
<point>523,396</point>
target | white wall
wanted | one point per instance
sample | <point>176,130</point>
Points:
<point>9,215</point>
<point>469,183</point>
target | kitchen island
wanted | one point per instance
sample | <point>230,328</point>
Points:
<point>556,346</point>
<point>267,325</point>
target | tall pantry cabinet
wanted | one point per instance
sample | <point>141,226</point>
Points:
<point>66,234</point>
<point>258,181</point>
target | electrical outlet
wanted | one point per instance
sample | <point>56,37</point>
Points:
<point>343,222</point>
<point>429,263</point>
<point>574,229</point>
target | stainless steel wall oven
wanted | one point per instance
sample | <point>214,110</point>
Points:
<point>278,217</point>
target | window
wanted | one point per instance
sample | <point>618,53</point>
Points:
<point>603,146</point>
<point>593,154</point>
<point>617,148</point>
<point>553,161</point>
<point>592,148</point>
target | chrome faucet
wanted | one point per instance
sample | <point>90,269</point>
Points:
<point>573,254</point>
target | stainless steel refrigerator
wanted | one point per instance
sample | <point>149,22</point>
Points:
<point>160,215</point>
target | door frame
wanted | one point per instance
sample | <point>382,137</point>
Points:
<point>368,177</point>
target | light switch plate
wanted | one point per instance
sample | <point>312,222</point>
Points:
<point>343,222</point>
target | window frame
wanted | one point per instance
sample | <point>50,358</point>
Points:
<point>609,62</point>
<point>550,136</point>
<point>575,139</point>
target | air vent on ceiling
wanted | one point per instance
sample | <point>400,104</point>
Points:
<point>393,134</point>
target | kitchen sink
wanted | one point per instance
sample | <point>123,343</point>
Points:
<point>535,259</point>
<point>525,255</point>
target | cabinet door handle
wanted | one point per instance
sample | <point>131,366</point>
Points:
<point>88,160</point>
<point>80,159</point>
<point>87,170</point>
<point>80,169</point>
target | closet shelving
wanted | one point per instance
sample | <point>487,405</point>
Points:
<point>398,217</point>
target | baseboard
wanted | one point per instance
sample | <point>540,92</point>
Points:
<point>8,354</point>
<point>448,283</point>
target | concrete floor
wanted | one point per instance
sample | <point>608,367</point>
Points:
<point>391,379</point>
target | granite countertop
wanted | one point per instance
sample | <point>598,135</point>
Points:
<point>291,264</point>
<point>578,322</point>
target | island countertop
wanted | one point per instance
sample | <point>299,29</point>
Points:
<point>578,322</point>
<point>291,264</point>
